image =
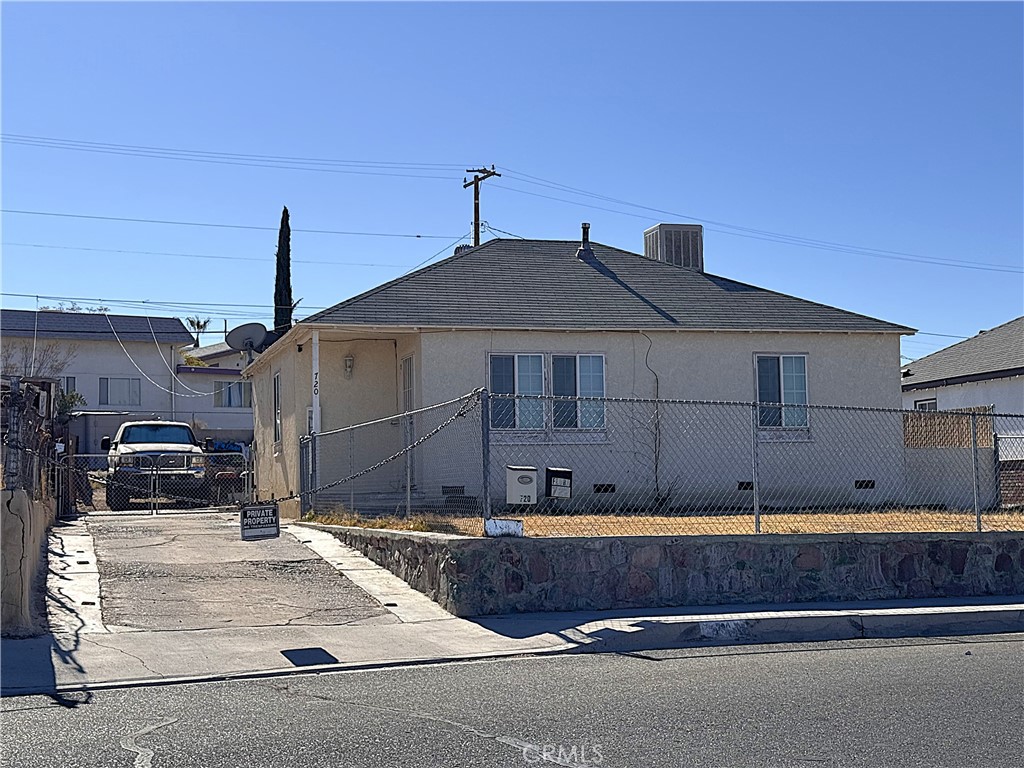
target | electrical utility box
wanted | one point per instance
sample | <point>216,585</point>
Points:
<point>558,483</point>
<point>520,485</point>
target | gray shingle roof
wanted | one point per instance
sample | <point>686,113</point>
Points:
<point>213,350</point>
<point>990,352</point>
<point>541,284</point>
<point>87,326</point>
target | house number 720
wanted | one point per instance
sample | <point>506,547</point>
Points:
<point>316,383</point>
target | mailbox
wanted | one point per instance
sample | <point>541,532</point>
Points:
<point>520,485</point>
<point>558,483</point>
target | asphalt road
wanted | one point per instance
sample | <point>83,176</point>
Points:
<point>937,702</point>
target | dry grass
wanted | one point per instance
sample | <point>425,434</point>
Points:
<point>895,521</point>
<point>417,523</point>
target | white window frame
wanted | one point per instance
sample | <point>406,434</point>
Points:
<point>276,388</point>
<point>933,402</point>
<point>220,388</point>
<point>68,384</point>
<point>581,406</point>
<point>134,390</point>
<point>547,426</point>
<point>783,406</point>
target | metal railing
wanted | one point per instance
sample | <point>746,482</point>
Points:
<point>642,466</point>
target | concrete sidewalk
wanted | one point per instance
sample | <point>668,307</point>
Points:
<point>82,652</point>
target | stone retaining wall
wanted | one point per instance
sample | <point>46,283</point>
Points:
<point>475,577</point>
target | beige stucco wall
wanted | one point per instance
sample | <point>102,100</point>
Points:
<point>372,392</point>
<point>842,369</point>
<point>703,452</point>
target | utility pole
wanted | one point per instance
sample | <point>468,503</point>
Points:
<point>481,175</point>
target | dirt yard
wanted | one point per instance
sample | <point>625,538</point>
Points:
<point>904,520</point>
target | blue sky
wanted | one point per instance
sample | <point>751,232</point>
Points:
<point>885,130</point>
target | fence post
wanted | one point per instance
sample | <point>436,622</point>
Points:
<point>314,473</point>
<point>974,466</point>
<point>352,483</point>
<point>998,475</point>
<point>753,466</point>
<point>12,457</point>
<point>154,485</point>
<point>485,450</point>
<point>408,465</point>
<point>304,484</point>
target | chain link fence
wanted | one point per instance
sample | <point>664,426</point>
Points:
<point>148,482</point>
<point>423,467</point>
<point>672,467</point>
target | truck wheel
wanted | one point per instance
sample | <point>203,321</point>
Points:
<point>117,498</point>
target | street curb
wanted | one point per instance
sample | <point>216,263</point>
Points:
<point>693,632</point>
<point>648,634</point>
<point>317,669</point>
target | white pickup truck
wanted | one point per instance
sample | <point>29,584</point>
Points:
<point>148,458</point>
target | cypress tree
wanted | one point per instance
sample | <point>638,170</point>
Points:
<point>283,283</point>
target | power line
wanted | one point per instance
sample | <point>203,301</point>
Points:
<point>220,226</point>
<point>195,255</point>
<point>215,159</point>
<point>360,163</point>
<point>528,179</point>
<point>754,234</point>
<point>142,302</point>
<point>212,308</point>
<point>387,168</point>
<point>497,231</point>
<point>435,255</point>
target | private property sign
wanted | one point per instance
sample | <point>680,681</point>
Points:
<point>260,521</point>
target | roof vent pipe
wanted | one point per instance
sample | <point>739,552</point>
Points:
<point>585,251</point>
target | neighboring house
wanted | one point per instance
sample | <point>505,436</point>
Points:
<point>125,366</point>
<point>984,370</point>
<point>542,317</point>
<point>227,413</point>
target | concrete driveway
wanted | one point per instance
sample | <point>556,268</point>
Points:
<point>180,572</point>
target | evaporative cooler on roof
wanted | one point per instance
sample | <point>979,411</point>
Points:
<point>681,245</point>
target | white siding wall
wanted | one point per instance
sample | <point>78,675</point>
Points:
<point>1007,395</point>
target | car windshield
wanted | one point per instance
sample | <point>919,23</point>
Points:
<point>157,433</point>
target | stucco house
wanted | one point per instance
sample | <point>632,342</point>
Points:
<point>986,369</point>
<point>226,414</point>
<point>125,366</point>
<point>567,318</point>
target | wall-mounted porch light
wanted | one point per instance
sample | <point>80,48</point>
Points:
<point>350,363</point>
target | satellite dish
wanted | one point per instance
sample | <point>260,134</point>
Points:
<point>246,338</point>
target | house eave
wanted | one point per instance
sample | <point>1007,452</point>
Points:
<point>377,328</point>
<point>965,379</point>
